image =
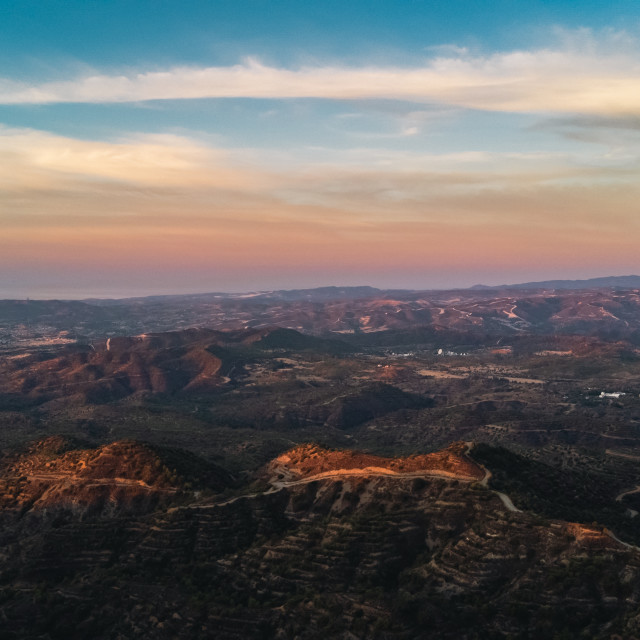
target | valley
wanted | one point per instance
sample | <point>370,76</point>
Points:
<point>343,463</point>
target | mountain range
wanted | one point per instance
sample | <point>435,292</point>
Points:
<point>370,464</point>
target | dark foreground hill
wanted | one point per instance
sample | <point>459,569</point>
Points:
<point>366,554</point>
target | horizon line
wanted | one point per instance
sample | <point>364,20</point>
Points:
<point>259,292</point>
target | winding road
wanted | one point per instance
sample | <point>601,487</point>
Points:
<point>506,500</point>
<point>369,472</point>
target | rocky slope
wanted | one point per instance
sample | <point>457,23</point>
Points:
<point>312,461</point>
<point>363,555</point>
<point>56,475</point>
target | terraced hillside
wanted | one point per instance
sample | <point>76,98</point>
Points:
<point>365,555</point>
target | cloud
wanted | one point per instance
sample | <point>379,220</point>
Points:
<point>166,199</point>
<point>178,177</point>
<point>584,76</point>
<point>621,134</point>
<point>39,160</point>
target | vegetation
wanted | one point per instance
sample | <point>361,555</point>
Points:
<point>178,533</point>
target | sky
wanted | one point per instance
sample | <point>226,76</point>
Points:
<point>164,146</point>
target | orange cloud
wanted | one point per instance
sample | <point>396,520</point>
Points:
<point>167,204</point>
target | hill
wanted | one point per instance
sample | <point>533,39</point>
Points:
<point>189,361</point>
<point>57,474</point>
<point>312,461</point>
<point>360,555</point>
<point>607,305</point>
<point>618,282</point>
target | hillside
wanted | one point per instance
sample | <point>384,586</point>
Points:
<point>312,461</point>
<point>306,469</point>
<point>589,308</point>
<point>189,361</point>
<point>59,475</point>
<point>363,555</point>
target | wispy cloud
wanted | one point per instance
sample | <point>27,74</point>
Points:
<point>166,202</point>
<point>33,160</point>
<point>620,134</point>
<point>583,76</point>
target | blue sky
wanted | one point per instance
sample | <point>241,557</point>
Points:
<point>221,31</point>
<point>255,145</point>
